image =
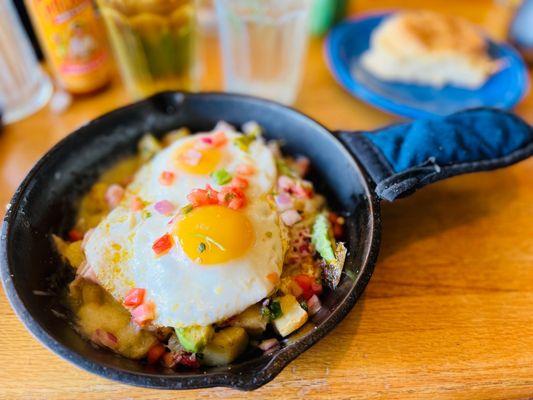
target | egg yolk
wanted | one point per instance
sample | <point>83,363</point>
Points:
<point>196,161</point>
<point>214,234</point>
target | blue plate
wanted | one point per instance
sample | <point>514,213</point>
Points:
<point>350,39</point>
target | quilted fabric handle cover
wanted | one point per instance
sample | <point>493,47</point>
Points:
<point>405,157</point>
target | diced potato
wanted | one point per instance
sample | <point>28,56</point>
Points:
<point>226,346</point>
<point>294,316</point>
<point>72,252</point>
<point>148,147</point>
<point>172,136</point>
<point>251,320</point>
<point>97,309</point>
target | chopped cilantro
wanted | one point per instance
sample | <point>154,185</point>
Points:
<point>186,209</point>
<point>265,313</point>
<point>303,304</point>
<point>210,240</point>
<point>201,247</point>
<point>275,310</point>
<point>243,141</point>
<point>146,214</point>
<point>221,176</point>
<point>283,168</point>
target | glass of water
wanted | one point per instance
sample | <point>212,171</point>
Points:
<point>263,45</point>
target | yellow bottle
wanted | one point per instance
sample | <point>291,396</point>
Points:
<point>73,39</point>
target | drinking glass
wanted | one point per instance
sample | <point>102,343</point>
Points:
<point>154,43</point>
<point>24,87</point>
<point>263,45</point>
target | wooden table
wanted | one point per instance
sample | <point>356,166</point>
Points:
<point>448,313</point>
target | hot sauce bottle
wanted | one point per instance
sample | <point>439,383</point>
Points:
<point>73,38</point>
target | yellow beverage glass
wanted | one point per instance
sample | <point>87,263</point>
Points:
<point>154,42</point>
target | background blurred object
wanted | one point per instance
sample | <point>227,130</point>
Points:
<point>73,39</point>
<point>521,32</point>
<point>24,88</point>
<point>206,16</point>
<point>263,44</point>
<point>154,43</point>
<point>325,13</point>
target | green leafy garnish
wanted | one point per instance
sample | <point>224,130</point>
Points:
<point>210,240</point>
<point>201,247</point>
<point>186,209</point>
<point>146,214</point>
<point>148,147</point>
<point>221,176</point>
<point>272,311</point>
<point>321,238</point>
<point>303,304</point>
<point>275,310</point>
<point>243,142</point>
<point>283,168</point>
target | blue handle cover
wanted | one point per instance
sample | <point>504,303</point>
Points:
<point>404,157</point>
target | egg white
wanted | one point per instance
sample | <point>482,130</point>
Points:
<point>186,293</point>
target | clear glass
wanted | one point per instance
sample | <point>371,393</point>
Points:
<point>154,43</point>
<point>263,45</point>
<point>24,87</point>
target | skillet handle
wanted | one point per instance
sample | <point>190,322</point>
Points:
<point>405,157</point>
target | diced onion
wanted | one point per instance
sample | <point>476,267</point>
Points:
<point>313,305</point>
<point>290,217</point>
<point>268,344</point>
<point>164,207</point>
<point>104,338</point>
<point>283,201</point>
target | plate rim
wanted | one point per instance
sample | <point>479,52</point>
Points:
<point>388,105</point>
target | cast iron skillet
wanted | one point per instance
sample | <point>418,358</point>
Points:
<point>349,168</point>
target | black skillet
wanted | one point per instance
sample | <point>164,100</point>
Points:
<point>354,170</point>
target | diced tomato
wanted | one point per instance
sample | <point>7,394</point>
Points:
<point>207,140</point>
<point>316,288</point>
<point>308,285</point>
<point>231,197</point>
<point>136,204</point>
<point>135,297</point>
<point>155,353</point>
<point>245,169</point>
<point>219,139</point>
<point>74,235</point>
<point>303,192</point>
<point>167,178</point>
<point>236,203</point>
<point>238,182</point>
<point>203,197</point>
<point>168,360</point>
<point>273,277</point>
<point>188,360</point>
<point>143,314</point>
<point>198,197</point>
<point>212,195</point>
<point>163,244</point>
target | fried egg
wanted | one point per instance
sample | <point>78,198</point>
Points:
<point>221,261</point>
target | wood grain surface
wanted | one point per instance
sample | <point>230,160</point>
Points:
<point>448,313</point>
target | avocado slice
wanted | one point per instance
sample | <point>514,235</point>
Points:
<point>194,338</point>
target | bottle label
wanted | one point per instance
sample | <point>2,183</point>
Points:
<point>73,35</point>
